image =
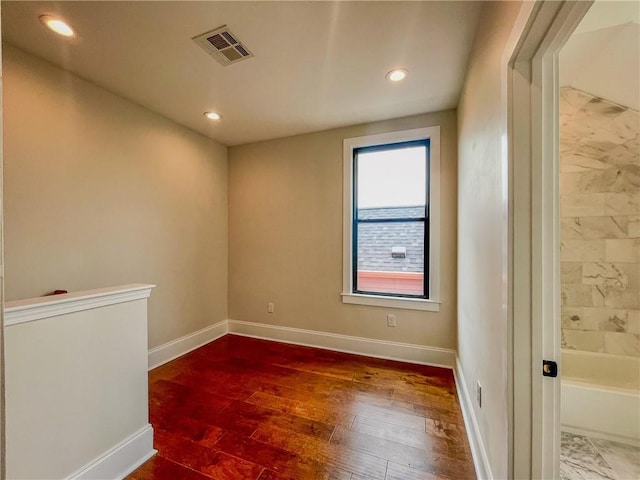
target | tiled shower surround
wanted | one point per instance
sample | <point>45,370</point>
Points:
<point>600,225</point>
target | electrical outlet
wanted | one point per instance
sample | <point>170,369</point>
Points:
<point>391,320</point>
<point>479,393</point>
<point>271,307</point>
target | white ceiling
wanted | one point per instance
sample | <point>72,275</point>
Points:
<point>317,65</point>
<point>602,57</point>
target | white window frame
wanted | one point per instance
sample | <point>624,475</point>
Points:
<point>432,303</point>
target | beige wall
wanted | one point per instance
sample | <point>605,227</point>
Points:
<point>482,231</point>
<point>80,393</point>
<point>100,192</point>
<point>285,237</point>
<point>587,64</point>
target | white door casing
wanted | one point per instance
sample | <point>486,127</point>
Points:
<point>534,322</point>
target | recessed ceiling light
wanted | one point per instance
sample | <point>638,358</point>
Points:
<point>397,74</point>
<point>212,115</point>
<point>57,25</point>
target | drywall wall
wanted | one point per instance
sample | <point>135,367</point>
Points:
<point>589,60</point>
<point>101,192</point>
<point>76,383</point>
<point>482,231</point>
<point>285,237</point>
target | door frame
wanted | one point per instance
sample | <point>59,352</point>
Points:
<point>534,240</point>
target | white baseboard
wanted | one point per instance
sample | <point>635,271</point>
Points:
<point>618,417</point>
<point>178,347</point>
<point>404,352</point>
<point>122,459</point>
<point>478,449</point>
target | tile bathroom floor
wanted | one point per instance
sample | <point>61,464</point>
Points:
<point>583,458</point>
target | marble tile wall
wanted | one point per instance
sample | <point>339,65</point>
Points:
<point>600,224</point>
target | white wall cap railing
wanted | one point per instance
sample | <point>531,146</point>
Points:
<point>30,309</point>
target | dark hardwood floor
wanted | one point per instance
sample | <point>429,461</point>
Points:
<point>241,408</point>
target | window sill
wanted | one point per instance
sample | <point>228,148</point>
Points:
<point>391,302</point>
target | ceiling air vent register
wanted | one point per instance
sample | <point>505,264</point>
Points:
<point>223,45</point>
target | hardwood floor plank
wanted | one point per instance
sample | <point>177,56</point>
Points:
<point>303,425</point>
<point>167,394</point>
<point>450,415</point>
<point>342,456</point>
<point>188,429</point>
<point>343,370</point>
<point>311,410</point>
<point>256,415</point>
<point>333,474</point>
<point>435,440</point>
<point>354,396</point>
<point>210,462</point>
<point>297,394</point>
<point>386,449</point>
<point>425,398</point>
<point>315,383</point>
<point>307,446</point>
<point>440,457</point>
<point>285,463</point>
<point>395,378</point>
<point>243,408</point>
<point>450,431</point>
<point>389,416</point>
<point>402,472</point>
<point>160,468</point>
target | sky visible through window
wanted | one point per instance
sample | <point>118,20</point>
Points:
<point>392,178</point>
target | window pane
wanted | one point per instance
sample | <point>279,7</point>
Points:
<point>391,258</point>
<point>386,213</point>
<point>392,178</point>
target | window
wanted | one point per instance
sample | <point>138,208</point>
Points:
<point>390,219</point>
<point>391,200</point>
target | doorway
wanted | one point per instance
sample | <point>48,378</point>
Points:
<point>535,220</point>
<point>599,186</point>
